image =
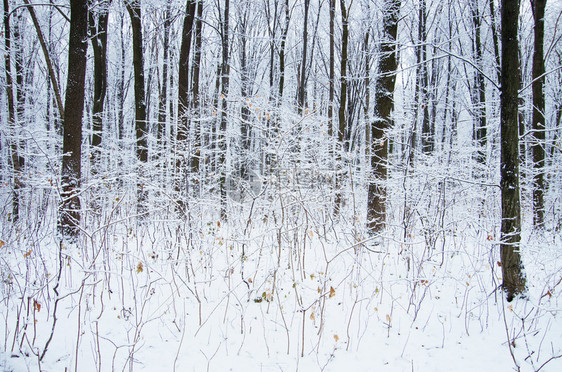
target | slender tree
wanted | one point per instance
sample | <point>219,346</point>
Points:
<point>69,219</point>
<point>196,155</point>
<point>301,94</point>
<point>342,122</point>
<point>538,145</point>
<point>512,268</point>
<point>98,35</point>
<point>384,103</point>
<point>183,102</point>
<point>225,82</point>
<point>134,10</point>
<point>17,160</point>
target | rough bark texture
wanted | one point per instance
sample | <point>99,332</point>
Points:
<point>72,125</point>
<point>512,268</point>
<point>376,205</point>
<point>538,145</point>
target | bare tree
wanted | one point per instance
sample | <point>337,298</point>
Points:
<point>98,34</point>
<point>134,10</point>
<point>69,219</point>
<point>538,145</point>
<point>512,268</point>
<point>376,205</point>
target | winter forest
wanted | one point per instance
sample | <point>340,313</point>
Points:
<point>281,185</point>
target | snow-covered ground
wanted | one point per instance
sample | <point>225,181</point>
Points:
<point>276,289</point>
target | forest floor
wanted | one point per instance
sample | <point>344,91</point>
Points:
<point>275,290</point>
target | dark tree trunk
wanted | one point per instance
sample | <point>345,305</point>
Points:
<point>427,135</point>
<point>163,104</point>
<point>17,160</point>
<point>512,268</point>
<point>245,91</point>
<point>182,133</point>
<point>134,9</point>
<point>480,132</point>
<point>342,123</point>
<point>98,32</point>
<point>332,72</point>
<point>302,74</point>
<point>384,103</point>
<point>195,157</point>
<point>72,125</point>
<point>538,145</point>
<point>225,81</point>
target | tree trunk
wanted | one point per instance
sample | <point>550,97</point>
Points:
<point>342,123</point>
<point>196,154</point>
<point>512,268</point>
<point>69,219</point>
<point>47,57</point>
<point>538,145</point>
<point>17,160</point>
<point>134,9</point>
<point>480,132</point>
<point>302,74</point>
<point>98,33</point>
<point>376,204</point>
<point>182,133</point>
<point>225,80</point>
<point>332,77</point>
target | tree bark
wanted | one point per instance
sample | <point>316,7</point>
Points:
<point>196,155</point>
<point>342,122</point>
<point>134,10</point>
<point>225,81</point>
<point>512,268</point>
<point>17,160</point>
<point>69,213</point>
<point>302,73</point>
<point>384,103</point>
<point>98,31</point>
<point>538,144</point>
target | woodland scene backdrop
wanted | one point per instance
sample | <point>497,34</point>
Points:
<point>281,185</point>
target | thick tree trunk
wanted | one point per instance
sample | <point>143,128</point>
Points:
<point>512,268</point>
<point>538,145</point>
<point>384,102</point>
<point>69,219</point>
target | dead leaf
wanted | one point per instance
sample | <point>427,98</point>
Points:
<point>337,338</point>
<point>139,268</point>
<point>2,243</point>
<point>388,318</point>
<point>312,316</point>
<point>36,306</point>
<point>332,292</point>
<point>27,254</point>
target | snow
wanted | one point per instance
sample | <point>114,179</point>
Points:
<point>361,309</point>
